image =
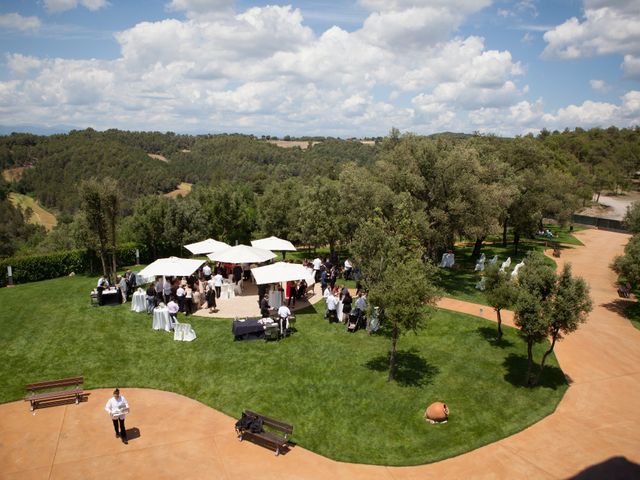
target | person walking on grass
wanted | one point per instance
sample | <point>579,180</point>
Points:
<point>117,407</point>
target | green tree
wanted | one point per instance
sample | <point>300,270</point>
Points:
<point>100,208</point>
<point>389,253</point>
<point>500,292</point>
<point>569,308</point>
<point>628,265</point>
<point>632,218</point>
<point>548,305</point>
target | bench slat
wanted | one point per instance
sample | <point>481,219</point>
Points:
<point>50,395</point>
<point>272,422</point>
<point>55,383</point>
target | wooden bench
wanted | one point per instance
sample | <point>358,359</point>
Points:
<point>276,441</point>
<point>35,397</point>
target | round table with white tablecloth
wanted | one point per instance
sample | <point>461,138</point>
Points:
<point>227,290</point>
<point>139,301</point>
<point>161,319</point>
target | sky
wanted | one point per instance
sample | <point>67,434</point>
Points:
<point>332,68</point>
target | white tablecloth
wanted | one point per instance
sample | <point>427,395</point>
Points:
<point>275,299</point>
<point>227,290</point>
<point>339,310</point>
<point>161,320</point>
<point>183,332</point>
<point>139,301</point>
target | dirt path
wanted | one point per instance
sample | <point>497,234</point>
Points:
<point>595,426</point>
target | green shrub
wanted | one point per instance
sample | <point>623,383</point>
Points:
<point>32,268</point>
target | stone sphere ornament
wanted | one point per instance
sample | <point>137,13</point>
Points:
<point>437,412</point>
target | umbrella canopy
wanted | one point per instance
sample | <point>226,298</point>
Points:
<point>242,254</point>
<point>206,246</point>
<point>274,244</point>
<point>171,267</point>
<point>282,272</point>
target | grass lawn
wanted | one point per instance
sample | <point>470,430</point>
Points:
<point>331,385</point>
<point>460,282</point>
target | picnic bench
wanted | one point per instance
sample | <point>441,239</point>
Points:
<point>277,440</point>
<point>36,395</point>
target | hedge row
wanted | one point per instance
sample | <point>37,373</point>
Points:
<point>33,268</point>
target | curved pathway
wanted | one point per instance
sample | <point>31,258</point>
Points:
<point>594,426</point>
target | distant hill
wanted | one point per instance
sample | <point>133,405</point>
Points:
<point>35,129</point>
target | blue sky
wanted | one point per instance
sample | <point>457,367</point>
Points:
<point>342,68</point>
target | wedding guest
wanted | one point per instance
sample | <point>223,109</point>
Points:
<point>122,286</point>
<point>188,300</point>
<point>151,298</point>
<point>206,271</point>
<point>180,294</point>
<point>217,282</point>
<point>173,308</point>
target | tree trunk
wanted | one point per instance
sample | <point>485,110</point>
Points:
<point>516,241</point>
<point>544,358</point>
<point>477,247</point>
<point>529,361</point>
<point>598,196</point>
<point>499,315</point>
<point>392,356</point>
<point>504,233</point>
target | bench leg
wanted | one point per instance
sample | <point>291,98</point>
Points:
<point>277,451</point>
<point>33,406</point>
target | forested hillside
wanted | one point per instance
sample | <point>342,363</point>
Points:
<point>459,186</point>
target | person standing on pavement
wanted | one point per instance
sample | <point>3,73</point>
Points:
<point>117,407</point>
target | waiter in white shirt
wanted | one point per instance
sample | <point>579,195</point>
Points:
<point>283,317</point>
<point>117,407</point>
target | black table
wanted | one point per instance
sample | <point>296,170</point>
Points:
<point>250,329</point>
<point>111,297</point>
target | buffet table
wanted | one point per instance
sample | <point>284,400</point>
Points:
<point>249,329</point>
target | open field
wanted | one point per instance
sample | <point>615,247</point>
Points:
<point>13,174</point>
<point>155,156</point>
<point>40,216</point>
<point>183,190</point>
<point>291,143</point>
<point>329,383</point>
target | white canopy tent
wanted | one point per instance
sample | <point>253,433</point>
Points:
<point>274,244</point>
<point>171,267</point>
<point>206,246</point>
<point>242,254</point>
<point>282,272</point>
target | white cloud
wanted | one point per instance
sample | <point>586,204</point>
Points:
<point>608,27</point>
<point>21,65</point>
<point>528,38</point>
<point>599,85</point>
<point>631,67</point>
<point>57,6</point>
<point>15,21</point>
<point>264,70</point>
<point>589,114</point>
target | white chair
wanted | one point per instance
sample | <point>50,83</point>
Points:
<point>239,287</point>
<point>183,332</point>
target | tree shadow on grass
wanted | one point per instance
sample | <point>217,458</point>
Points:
<point>516,365</point>
<point>412,370</point>
<point>490,334</point>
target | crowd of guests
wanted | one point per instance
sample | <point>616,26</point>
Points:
<point>189,294</point>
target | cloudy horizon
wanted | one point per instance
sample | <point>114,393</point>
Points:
<point>344,68</point>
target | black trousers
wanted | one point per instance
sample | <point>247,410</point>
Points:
<point>122,432</point>
<point>218,291</point>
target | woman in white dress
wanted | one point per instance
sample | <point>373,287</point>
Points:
<point>117,407</point>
